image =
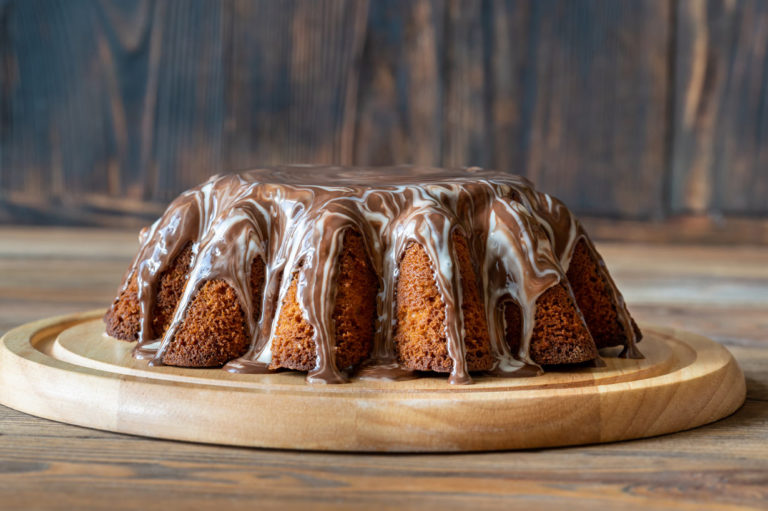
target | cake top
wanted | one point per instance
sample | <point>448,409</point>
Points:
<point>366,177</point>
<point>295,218</point>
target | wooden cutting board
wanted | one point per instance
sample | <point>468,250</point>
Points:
<point>67,369</point>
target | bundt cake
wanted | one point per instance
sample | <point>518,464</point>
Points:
<point>378,273</point>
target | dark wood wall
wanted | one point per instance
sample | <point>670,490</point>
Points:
<point>636,109</point>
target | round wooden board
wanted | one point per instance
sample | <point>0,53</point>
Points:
<point>67,369</point>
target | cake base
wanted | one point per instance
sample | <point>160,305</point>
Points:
<point>66,369</point>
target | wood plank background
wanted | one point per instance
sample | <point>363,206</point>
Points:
<point>641,110</point>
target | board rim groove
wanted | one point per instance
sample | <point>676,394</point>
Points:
<point>708,387</point>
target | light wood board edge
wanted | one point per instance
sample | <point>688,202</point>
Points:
<point>710,388</point>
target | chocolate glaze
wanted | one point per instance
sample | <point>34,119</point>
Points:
<point>391,371</point>
<point>295,218</point>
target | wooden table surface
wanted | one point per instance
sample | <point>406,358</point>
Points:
<point>721,292</point>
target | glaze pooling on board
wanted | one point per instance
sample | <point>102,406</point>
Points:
<point>523,239</point>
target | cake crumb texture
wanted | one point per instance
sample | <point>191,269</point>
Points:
<point>594,298</point>
<point>559,333</point>
<point>123,318</point>
<point>354,315</point>
<point>420,341</point>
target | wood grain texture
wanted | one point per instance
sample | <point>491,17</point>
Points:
<point>720,157</point>
<point>634,110</point>
<point>571,94</point>
<point>65,368</point>
<point>400,111</point>
<point>45,272</point>
<point>595,104</point>
<point>697,229</point>
<point>109,109</point>
<point>292,81</point>
<point>106,102</point>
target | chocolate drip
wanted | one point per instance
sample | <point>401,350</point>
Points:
<point>384,371</point>
<point>531,270</point>
<point>521,239</point>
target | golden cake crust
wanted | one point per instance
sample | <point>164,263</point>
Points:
<point>354,315</point>
<point>595,300</point>
<point>559,335</point>
<point>420,340</point>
